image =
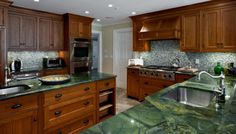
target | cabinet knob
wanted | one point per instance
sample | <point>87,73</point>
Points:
<point>165,86</point>
<point>146,83</point>
<point>57,113</point>
<point>86,89</point>
<point>107,84</point>
<point>86,121</point>
<point>58,96</point>
<point>16,106</point>
<point>86,103</point>
<point>59,132</point>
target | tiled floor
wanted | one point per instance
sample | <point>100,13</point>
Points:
<point>122,102</point>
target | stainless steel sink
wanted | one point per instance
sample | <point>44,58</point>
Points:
<point>13,89</point>
<point>191,96</point>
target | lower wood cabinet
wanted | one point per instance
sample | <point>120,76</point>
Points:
<point>133,83</point>
<point>19,115</point>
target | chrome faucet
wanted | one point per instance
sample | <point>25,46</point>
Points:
<point>7,72</point>
<point>221,88</point>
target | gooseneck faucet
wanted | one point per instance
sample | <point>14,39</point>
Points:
<point>7,72</point>
<point>221,88</point>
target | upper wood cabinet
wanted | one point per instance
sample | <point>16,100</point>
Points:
<point>78,26</point>
<point>22,31</point>
<point>219,29</point>
<point>190,40</point>
<point>3,12</point>
<point>51,34</point>
<point>139,45</point>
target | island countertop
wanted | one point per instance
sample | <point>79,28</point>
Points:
<point>160,115</point>
<point>37,87</point>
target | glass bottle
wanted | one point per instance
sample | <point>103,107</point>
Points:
<point>218,69</point>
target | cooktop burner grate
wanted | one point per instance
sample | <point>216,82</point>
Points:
<point>166,68</point>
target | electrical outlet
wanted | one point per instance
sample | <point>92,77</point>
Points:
<point>197,61</point>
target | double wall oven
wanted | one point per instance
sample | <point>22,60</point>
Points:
<point>80,55</point>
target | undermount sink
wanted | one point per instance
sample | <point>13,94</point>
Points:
<point>13,89</point>
<point>191,96</point>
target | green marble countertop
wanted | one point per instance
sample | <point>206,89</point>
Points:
<point>37,87</point>
<point>159,115</point>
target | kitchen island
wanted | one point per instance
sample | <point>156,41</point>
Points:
<point>158,114</point>
<point>85,100</point>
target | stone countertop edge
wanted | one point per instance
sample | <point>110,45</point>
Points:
<point>37,87</point>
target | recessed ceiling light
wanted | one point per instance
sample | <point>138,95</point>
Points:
<point>133,13</point>
<point>98,20</point>
<point>36,0</point>
<point>110,5</point>
<point>86,12</point>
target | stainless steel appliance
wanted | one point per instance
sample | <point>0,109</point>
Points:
<point>16,65</point>
<point>160,72</point>
<point>53,62</point>
<point>80,55</point>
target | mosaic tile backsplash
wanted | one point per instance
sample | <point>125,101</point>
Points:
<point>164,53</point>
<point>30,59</point>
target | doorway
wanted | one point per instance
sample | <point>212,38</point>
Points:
<point>96,50</point>
<point>122,51</point>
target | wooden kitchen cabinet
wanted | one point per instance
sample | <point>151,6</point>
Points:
<point>22,32</point>
<point>149,86</point>
<point>21,113</point>
<point>219,28</point>
<point>78,26</point>
<point>51,34</point>
<point>133,83</point>
<point>190,40</point>
<point>139,45</point>
<point>106,99</point>
<point>3,15</point>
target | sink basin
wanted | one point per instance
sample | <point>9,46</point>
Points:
<point>13,89</point>
<point>191,96</point>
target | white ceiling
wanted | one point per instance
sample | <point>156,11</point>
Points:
<point>99,8</point>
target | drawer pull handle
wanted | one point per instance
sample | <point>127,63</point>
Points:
<point>16,106</point>
<point>146,83</point>
<point>165,86</point>
<point>57,96</point>
<point>86,121</point>
<point>57,113</point>
<point>86,89</point>
<point>59,132</point>
<point>107,84</point>
<point>86,103</point>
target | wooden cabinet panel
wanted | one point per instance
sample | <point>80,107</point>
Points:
<point>74,28</point>
<point>105,84</point>
<point>133,83</point>
<point>2,16</point>
<point>58,35</point>
<point>211,30</point>
<point>139,45</point>
<point>22,32</point>
<point>228,28</point>
<point>2,53</point>
<point>45,42</point>
<point>182,77</point>
<point>51,34</point>
<point>85,29</point>
<point>190,32</point>
<point>14,24</point>
<point>57,96</point>
<point>68,110</point>
<point>19,115</point>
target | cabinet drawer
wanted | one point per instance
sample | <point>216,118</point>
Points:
<point>106,84</point>
<point>57,96</point>
<point>69,110</point>
<point>133,72</point>
<point>18,104</point>
<point>75,127</point>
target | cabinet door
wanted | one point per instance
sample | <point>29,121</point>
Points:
<point>28,33</point>
<point>45,42</point>
<point>85,29</point>
<point>229,29</point>
<point>133,83</point>
<point>25,123</point>
<point>190,32</point>
<point>211,31</point>
<point>14,24</point>
<point>2,16</point>
<point>74,28</point>
<point>58,35</point>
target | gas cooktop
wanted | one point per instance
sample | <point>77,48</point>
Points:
<point>165,68</point>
